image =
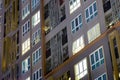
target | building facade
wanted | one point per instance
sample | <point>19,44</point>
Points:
<point>60,40</point>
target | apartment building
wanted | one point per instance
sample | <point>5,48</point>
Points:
<point>60,39</point>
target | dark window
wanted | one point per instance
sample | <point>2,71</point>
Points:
<point>106,5</point>
<point>64,36</point>
<point>115,48</point>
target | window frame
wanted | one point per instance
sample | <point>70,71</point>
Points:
<point>84,69</point>
<point>34,54</point>
<point>93,14</point>
<point>80,44</point>
<point>75,5</point>
<point>79,23</point>
<point>25,11</point>
<point>35,74</point>
<point>25,65</point>
<point>101,76</point>
<point>94,65</point>
<point>35,19</point>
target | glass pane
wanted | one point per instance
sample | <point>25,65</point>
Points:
<point>37,75</point>
<point>76,22</point>
<point>104,77</point>
<point>40,74</point>
<point>28,60</point>
<point>73,26</point>
<point>90,8</point>
<point>96,56</point>
<point>87,13</point>
<point>81,66</point>
<point>33,57</point>
<point>99,78</point>
<point>76,69</point>
<point>92,59</point>
<point>95,6</point>
<point>80,19</point>
<point>85,64</point>
<point>101,54</point>
<point>93,67</point>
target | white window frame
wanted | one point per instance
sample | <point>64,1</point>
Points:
<point>75,5</point>
<point>36,19</point>
<point>25,46</point>
<point>36,54</point>
<point>94,13</point>
<point>25,65</point>
<point>93,33</point>
<point>25,11</point>
<point>34,3</point>
<point>24,30</point>
<point>81,69</point>
<point>101,76</point>
<point>95,64</point>
<point>35,73</point>
<point>73,22</point>
<point>36,37</point>
<point>78,44</point>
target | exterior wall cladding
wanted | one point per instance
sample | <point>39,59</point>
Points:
<point>59,40</point>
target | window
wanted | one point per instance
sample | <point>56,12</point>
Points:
<point>34,3</point>
<point>74,4</point>
<point>37,75</point>
<point>76,24</point>
<point>25,28</point>
<point>25,11</point>
<point>28,78</point>
<point>36,37</point>
<point>116,48</point>
<point>36,55</point>
<point>91,11</point>
<point>102,77</point>
<point>25,46</point>
<point>93,33</point>
<point>80,69</point>
<point>78,45</point>
<point>36,19</point>
<point>0,5</point>
<point>96,58</point>
<point>26,65</point>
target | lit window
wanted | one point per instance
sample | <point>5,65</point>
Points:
<point>74,4</point>
<point>102,77</point>
<point>35,3</point>
<point>25,28</point>
<point>96,58</point>
<point>78,45</point>
<point>93,33</point>
<point>28,78</point>
<point>25,11</point>
<point>76,24</point>
<point>26,65</point>
<point>36,37</point>
<point>37,75</point>
<point>80,69</point>
<point>36,19</point>
<point>25,46</point>
<point>36,55</point>
<point>91,11</point>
